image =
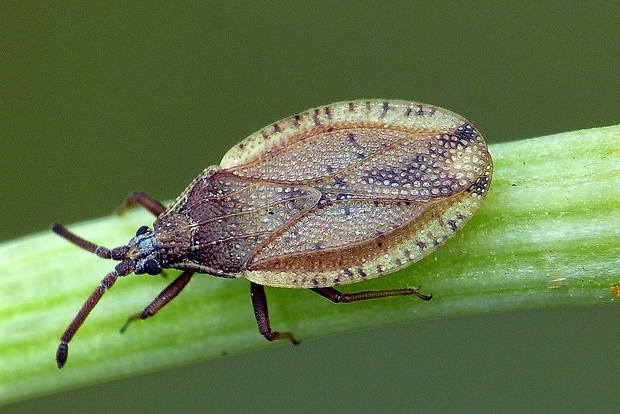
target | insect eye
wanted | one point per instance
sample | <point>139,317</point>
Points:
<point>151,267</point>
<point>141,230</point>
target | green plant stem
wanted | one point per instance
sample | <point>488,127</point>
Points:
<point>547,235</point>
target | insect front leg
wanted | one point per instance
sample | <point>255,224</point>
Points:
<point>166,295</point>
<point>259,301</point>
<point>143,200</point>
<point>339,297</point>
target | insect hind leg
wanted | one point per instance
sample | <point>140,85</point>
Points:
<point>338,297</point>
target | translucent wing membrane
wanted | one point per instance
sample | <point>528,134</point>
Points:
<point>336,194</point>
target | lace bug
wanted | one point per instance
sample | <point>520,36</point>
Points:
<point>330,196</point>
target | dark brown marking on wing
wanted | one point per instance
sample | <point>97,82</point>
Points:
<point>467,131</point>
<point>453,225</point>
<point>315,117</point>
<point>328,112</point>
<point>481,185</point>
<point>339,182</point>
<point>385,106</point>
<point>348,273</point>
<point>360,149</point>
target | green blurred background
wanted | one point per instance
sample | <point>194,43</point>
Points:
<point>100,100</point>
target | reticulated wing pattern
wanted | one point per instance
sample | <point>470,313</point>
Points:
<point>228,216</point>
<point>394,180</point>
<point>372,182</point>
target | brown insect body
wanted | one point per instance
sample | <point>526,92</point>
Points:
<point>330,196</point>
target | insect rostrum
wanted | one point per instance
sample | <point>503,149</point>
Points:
<point>330,196</point>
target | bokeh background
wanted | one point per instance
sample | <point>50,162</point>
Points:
<point>97,100</point>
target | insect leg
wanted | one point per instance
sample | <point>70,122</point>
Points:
<point>259,301</point>
<point>164,297</point>
<point>144,200</point>
<point>339,297</point>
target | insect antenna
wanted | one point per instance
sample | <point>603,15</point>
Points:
<point>125,267</point>
<point>117,253</point>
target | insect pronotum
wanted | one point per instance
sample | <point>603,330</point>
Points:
<point>330,196</point>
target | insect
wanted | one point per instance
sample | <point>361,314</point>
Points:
<point>330,196</point>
